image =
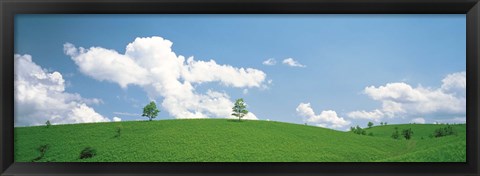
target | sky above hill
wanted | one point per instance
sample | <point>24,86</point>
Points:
<point>333,71</point>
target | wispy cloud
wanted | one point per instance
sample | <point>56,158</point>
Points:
<point>126,114</point>
<point>270,61</point>
<point>418,120</point>
<point>293,63</point>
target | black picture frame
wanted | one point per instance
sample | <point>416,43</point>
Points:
<point>9,8</point>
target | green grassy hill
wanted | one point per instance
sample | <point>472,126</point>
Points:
<point>206,140</point>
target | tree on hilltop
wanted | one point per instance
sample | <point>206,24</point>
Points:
<point>150,111</point>
<point>370,124</point>
<point>239,109</point>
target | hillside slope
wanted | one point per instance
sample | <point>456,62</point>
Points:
<point>210,140</point>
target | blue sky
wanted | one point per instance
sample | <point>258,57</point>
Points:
<point>351,68</point>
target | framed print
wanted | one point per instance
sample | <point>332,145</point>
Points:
<point>244,88</point>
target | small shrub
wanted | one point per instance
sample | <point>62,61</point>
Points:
<point>439,132</point>
<point>88,152</point>
<point>118,131</point>
<point>407,133</point>
<point>396,134</point>
<point>370,134</point>
<point>446,131</point>
<point>358,130</point>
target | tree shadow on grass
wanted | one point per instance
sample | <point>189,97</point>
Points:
<point>42,149</point>
<point>235,120</point>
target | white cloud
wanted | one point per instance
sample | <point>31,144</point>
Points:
<point>248,116</point>
<point>326,118</point>
<point>452,120</point>
<point>201,71</point>
<point>245,91</point>
<point>93,101</point>
<point>117,119</point>
<point>455,83</point>
<point>418,100</point>
<point>270,61</point>
<point>126,114</point>
<point>291,62</point>
<point>418,120</point>
<point>121,69</point>
<point>403,100</point>
<point>40,96</point>
<point>375,115</point>
<point>151,63</point>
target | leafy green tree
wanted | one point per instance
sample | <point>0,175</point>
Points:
<point>407,133</point>
<point>358,130</point>
<point>150,111</point>
<point>48,123</point>
<point>381,123</point>
<point>239,109</point>
<point>370,124</point>
<point>352,129</point>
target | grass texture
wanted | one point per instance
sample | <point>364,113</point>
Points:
<point>223,140</point>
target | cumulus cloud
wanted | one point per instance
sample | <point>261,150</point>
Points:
<point>291,62</point>
<point>121,69</point>
<point>401,99</point>
<point>328,118</point>
<point>455,83</point>
<point>418,120</point>
<point>151,64</point>
<point>270,61</point>
<point>40,96</point>
<point>117,119</point>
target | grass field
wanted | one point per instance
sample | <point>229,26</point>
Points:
<point>222,140</point>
